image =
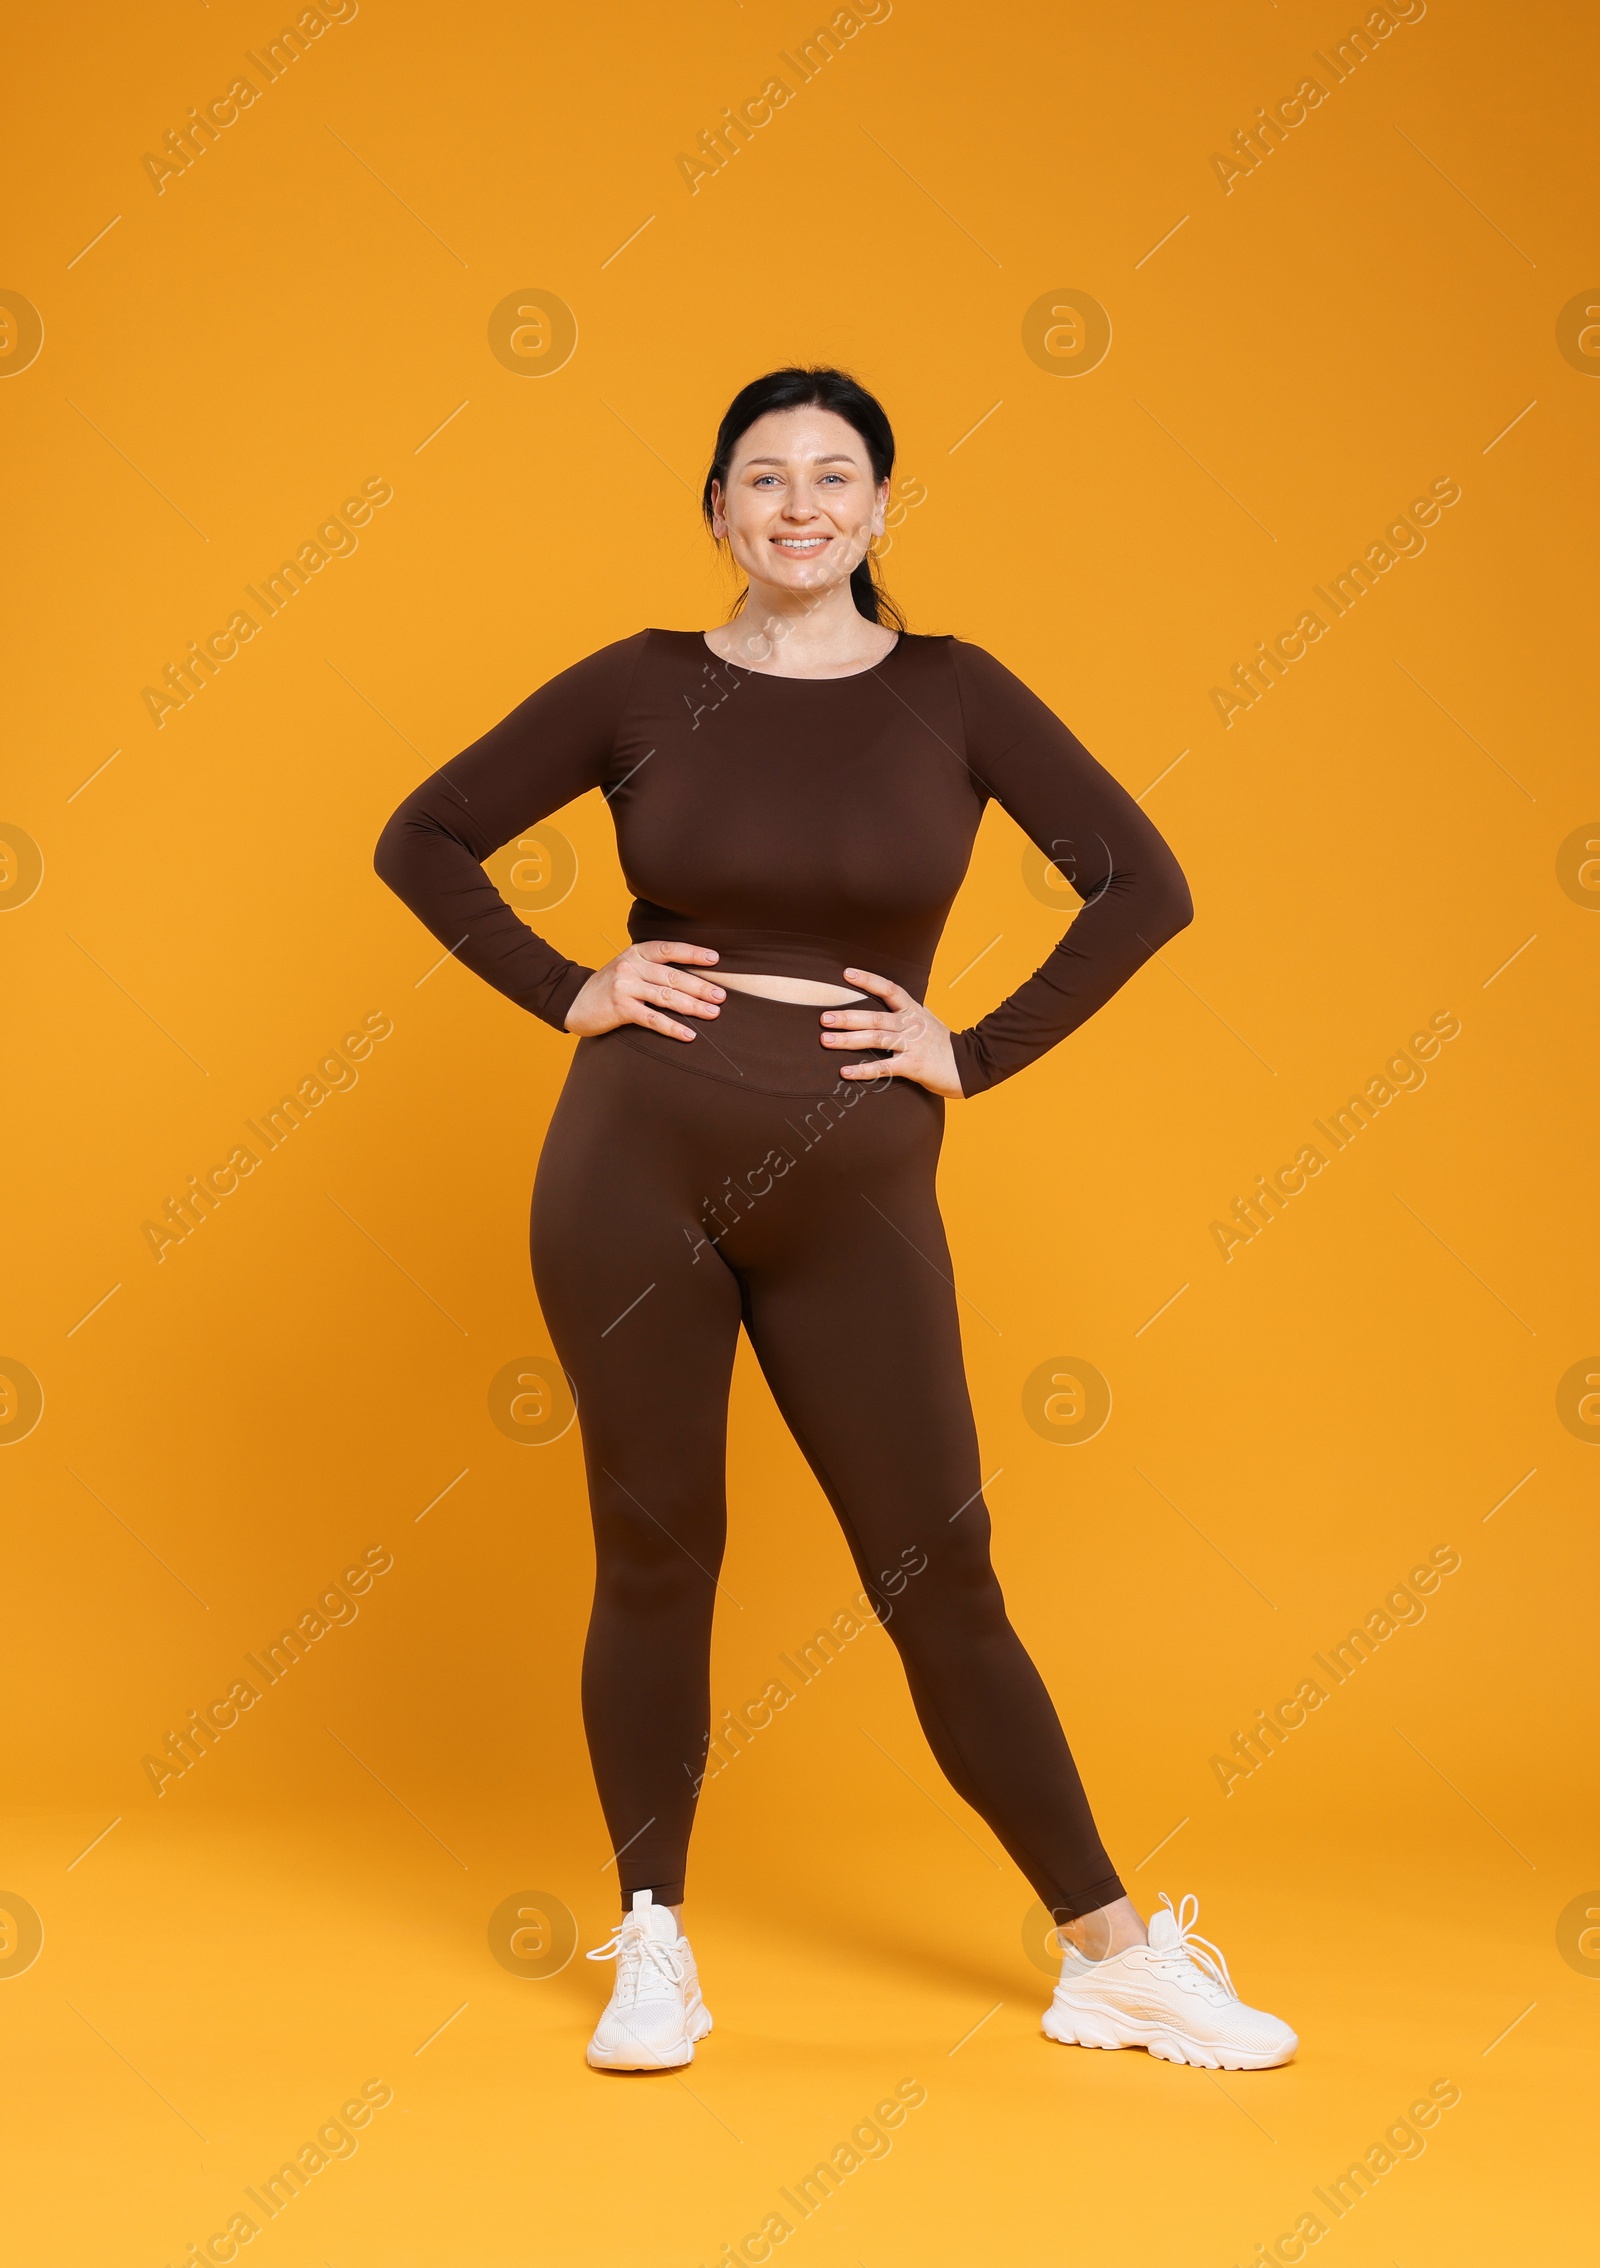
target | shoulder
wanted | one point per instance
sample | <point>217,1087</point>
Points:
<point>675,645</point>
<point>971,675</point>
<point>618,658</point>
<point>619,655</point>
<point>976,662</point>
<point>583,699</point>
<point>598,680</point>
<point>984,680</point>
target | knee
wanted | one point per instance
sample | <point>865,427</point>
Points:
<point>955,1598</point>
<point>659,1565</point>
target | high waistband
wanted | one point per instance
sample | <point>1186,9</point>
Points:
<point>772,952</point>
<point>766,1046</point>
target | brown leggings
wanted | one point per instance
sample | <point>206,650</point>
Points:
<point>686,1187</point>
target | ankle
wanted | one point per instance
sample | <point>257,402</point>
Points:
<point>675,1911</point>
<point>1105,1932</point>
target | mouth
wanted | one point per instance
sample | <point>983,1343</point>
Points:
<point>801,547</point>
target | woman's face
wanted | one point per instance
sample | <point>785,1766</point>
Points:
<point>801,504</point>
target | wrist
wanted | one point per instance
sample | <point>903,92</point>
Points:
<point>969,1071</point>
<point>565,994</point>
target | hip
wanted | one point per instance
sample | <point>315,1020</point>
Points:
<point>749,1097</point>
<point>756,1044</point>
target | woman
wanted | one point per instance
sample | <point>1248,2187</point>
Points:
<point>795,795</point>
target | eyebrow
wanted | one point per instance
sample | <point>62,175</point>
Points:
<point>839,457</point>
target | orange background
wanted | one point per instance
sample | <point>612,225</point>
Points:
<point>1293,359</point>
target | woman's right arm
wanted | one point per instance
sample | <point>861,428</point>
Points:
<point>554,746</point>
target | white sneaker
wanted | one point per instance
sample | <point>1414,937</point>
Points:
<point>655,2013</point>
<point>1173,1996</point>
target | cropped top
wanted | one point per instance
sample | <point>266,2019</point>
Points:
<point>796,825</point>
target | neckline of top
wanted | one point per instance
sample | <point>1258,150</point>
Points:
<point>843,677</point>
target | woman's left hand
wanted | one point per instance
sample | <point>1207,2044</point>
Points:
<point>921,1044</point>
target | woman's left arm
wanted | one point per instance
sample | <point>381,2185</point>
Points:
<point>1134,894</point>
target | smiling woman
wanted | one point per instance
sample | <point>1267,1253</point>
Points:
<point>806,841</point>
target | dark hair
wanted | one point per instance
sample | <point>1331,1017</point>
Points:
<point>822,388</point>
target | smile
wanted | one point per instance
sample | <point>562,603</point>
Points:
<point>801,543</point>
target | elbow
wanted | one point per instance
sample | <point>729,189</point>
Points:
<point>416,841</point>
<point>388,856</point>
<point>1156,891</point>
<point>1179,906</point>
<point>1174,904</point>
<point>1168,910</point>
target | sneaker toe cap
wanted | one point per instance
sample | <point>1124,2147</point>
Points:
<point>650,2031</point>
<point>1263,2035</point>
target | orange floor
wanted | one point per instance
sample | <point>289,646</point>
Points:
<point>210,1996</point>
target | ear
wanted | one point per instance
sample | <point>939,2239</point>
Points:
<point>880,505</point>
<point>719,526</point>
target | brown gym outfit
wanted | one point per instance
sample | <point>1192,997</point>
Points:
<point>798,826</point>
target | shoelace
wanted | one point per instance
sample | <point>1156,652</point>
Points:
<point>634,1950</point>
<point>1194,1951</point>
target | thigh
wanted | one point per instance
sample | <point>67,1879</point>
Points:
<point>643,1314</point>
<point>851,1308</point>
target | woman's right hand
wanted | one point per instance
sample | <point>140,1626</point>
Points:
<point>637,986</point>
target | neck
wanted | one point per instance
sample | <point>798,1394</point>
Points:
<point>807,626</point>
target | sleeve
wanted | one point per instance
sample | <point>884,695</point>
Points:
<point>1134,895</point>
<point>552,747</point>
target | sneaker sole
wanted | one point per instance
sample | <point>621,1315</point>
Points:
<point>1098,2028</point>
<point>672,2058</point>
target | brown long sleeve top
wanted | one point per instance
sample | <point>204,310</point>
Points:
<point>799,826</point>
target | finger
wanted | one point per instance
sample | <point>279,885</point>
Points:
<point>884,1036</point>
<point>657,976</point>
<point>869,1071</point>
<point>698,986</point>
<point>673,996</point>
<point>660,949</point>
<point>654,1023</point>
<point>854,1019</point>
<point>885,987</point>
<point>649,984</point>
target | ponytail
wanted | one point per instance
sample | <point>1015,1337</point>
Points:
<point>871,598</point>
